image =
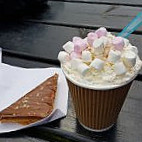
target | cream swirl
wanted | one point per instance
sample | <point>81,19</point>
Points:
<point>107,62</point>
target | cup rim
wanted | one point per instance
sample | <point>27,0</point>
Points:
<point>105,87</point>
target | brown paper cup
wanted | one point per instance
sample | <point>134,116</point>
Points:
<point>97,110</point>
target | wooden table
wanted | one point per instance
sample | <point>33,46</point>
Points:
<point>36,39</point>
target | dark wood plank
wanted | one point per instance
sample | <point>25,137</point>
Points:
<point>22,138</point>
<point>20,62</point>
<point>129,127</point>
<point>42,42</point>
<point>35,39</point>
<point>87,15</point>
<point>135,91</point>
<point>110,2</point>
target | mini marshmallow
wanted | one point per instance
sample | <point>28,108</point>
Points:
<point>110,36</point>
<point>101,32</point>
<point>126,42</point>
<point>79,46</point>
<point>68,47</point>
<point>98,46</point>
<point>75,63</point>
<point>129,59</point>
<point>133,49</point>
<point>98,64</point>
<point>83,68</point>
<point>105,40</point>
<point>63,56</point>
<point>84,44</point>
<point>114,56</point>
<point>118,43</point>
<point>91,37</point>
<point>85,41</point>
<point>75,39</point>
<point>86,56</point>
<point>119,68</point>
<point>75,55</point>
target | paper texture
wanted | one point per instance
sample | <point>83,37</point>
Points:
<point>15,82</point>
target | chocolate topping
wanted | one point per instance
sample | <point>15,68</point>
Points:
<point>35,105</point>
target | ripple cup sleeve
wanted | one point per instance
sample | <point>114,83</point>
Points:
<point>97,110</point>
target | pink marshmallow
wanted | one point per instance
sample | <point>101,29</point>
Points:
<point>84,44</point>
<point>118,43</point>
<point>76,38</point>
<point>79,46</point>
<point>101,32</point>
<point>91,37</point>
<point>74,55</point>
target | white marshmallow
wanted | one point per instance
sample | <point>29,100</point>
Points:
<point>86,56</point>
<point>63,56</point>
<point>105,40</point>
<point>110,36</point>
<point>75,63</point>
<point>129,58</point>
<point>98,64</point>
<point>133,49</point>
<point>68,47</point>
<point>119,68</point>
<point>83,68</point>
<point>114,56</point>
<point>85,39</point>
<point>126,42</point>
<point>98,45</point>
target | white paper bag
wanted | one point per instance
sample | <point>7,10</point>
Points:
<point>15,82</point>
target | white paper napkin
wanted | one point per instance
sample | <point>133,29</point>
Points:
<point>15,82</point>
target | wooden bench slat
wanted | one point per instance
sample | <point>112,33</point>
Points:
<point>113,2</point>
<point>87,15</point>
<point>22,62</point>
<point>43,41</point>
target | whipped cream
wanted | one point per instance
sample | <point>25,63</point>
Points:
<point>101,61</point>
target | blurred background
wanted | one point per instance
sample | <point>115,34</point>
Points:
<point>17,8</point>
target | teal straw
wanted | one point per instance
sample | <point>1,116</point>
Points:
<point>132,26</point>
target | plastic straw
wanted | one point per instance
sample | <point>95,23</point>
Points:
<point>132,26</point>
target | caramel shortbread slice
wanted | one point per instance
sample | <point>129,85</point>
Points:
<point>35,105</point>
